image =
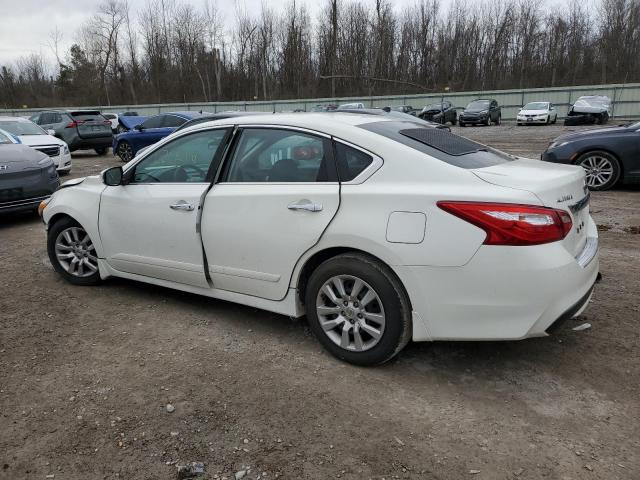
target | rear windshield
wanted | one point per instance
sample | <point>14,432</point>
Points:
<point>88,116</point>
<point>439,143</point>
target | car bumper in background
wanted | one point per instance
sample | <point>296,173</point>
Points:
<point>474,119</point>
<point>532,121</point>
<point>91,143</point>
<point>502,293</point>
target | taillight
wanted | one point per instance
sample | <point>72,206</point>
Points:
<point>512,224</point>
<point>73,124</point>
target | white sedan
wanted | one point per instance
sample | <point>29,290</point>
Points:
<point>32,135</point>
<point>537,113</point>
<point>379,230</point>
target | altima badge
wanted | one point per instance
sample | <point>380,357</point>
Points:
<point>565,198</point>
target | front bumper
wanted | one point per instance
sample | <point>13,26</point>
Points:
<point>474,119</point>
<point>502,293</point>
<point>531,121</point>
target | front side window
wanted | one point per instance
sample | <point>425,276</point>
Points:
<point>153,122</point>
<point>273,155</point>
<point>185,159</point>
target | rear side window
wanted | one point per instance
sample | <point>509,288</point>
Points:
<point>441,144</point>
<point>351,162</point>
<point>153,122</point>
<point>172,121</point>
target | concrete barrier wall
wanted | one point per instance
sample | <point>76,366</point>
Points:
<point>625,101</point>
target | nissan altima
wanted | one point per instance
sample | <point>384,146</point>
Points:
<point>380,230</point>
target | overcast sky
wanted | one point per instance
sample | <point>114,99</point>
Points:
<point>25,25</point>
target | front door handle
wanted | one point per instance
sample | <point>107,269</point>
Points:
<point>182,205</point>
<point>305,204</point>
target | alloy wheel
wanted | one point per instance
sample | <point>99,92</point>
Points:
<point>599,170</point>
<point>350,313</point>
<point>125,152</point>
<point>75,252</point>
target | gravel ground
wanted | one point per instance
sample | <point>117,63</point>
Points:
<point>86,374</point>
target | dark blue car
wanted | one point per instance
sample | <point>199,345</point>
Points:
<point>127,144</point>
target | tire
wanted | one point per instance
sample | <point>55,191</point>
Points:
<point>124,151</point>
<point>454,121</point>
<point>101,150</point>
<point>390,303</point>
<point>488,122</point>
<point>548,120</point>
<point>499,121</point>
<point>462,124</point>
<point>603,169</point>
<point>67,237</point>
<point>555,119</point>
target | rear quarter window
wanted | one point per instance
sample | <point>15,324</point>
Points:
<point>440,144</point>
<point>351,162</point>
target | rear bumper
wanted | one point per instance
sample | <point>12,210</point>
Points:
<point>502,293</point>
<point>90,143</point>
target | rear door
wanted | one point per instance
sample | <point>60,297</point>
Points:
<point>277,196</point>
<point>91,124</point>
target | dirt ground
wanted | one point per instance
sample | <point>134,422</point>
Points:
<point>86,373</point>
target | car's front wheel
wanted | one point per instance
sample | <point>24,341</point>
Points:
<point>602,169</point>
<point>124,151</point>
<point>358,309</point>
<point>101,150</point>
<point>72,252</point>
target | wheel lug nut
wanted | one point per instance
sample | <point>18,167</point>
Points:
<point>345,303</point>
<point>355,304</point>
<point>359,315</point>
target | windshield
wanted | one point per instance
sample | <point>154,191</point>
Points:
<point>440,144</point>
<point>5,138</point>
<point>478,105</point>
<point>536,106</point>
<point>18,127</point>
<point>434,106</point>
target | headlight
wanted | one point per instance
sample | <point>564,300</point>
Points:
<point>484,112</point>
<point>65,149</point>
<point>553,145</point>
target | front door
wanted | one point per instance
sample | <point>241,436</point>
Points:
<point>148,227</point>
<point>277,196</point>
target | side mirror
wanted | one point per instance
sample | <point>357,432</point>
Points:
<point>112,177</point>
<point>51,132</point>
<point>139,127</point>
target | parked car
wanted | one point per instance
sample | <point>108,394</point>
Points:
<point>32,135</point>
<point>324,108</point>
<point>379,230</point>
<point>155,128</point>
<point>537,113</point>
<point>441,112</point>
<point>113,119</point>
<point>608,155</point>
<point>481,112</point>
<point>404,109</point>
<point>129,114</point>
<point>350,106</point>
<point>395,114</point>
<point>27,176</point>
<point>589,109</point>
<point>80,129</point>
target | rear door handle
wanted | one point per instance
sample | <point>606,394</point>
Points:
<point>182,205</point>
<point>305,204</point>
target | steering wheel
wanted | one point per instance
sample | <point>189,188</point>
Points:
<point>180,174</point>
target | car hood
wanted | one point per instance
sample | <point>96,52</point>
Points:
<point>533,112</point>
<point>37,140</point>
<point>130,121</point>
<point>468,110</point>
<point>18,158</point>
<point>597,132</point>
<point>589,109</point>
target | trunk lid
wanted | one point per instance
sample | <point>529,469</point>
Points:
<point>555,185</point>
<point>92,124</point>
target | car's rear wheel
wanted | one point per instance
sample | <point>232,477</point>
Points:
<point>101,150</point>
<point>358,309</point>
<point>125,152</point>
<point>602,169</point>
<point>454,121</point>
<point>462,124</point>
<point>72,252</point>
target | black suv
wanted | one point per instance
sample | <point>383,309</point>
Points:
<point>441,112</point>
<point>81,129</point>
<point>481,112</point>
